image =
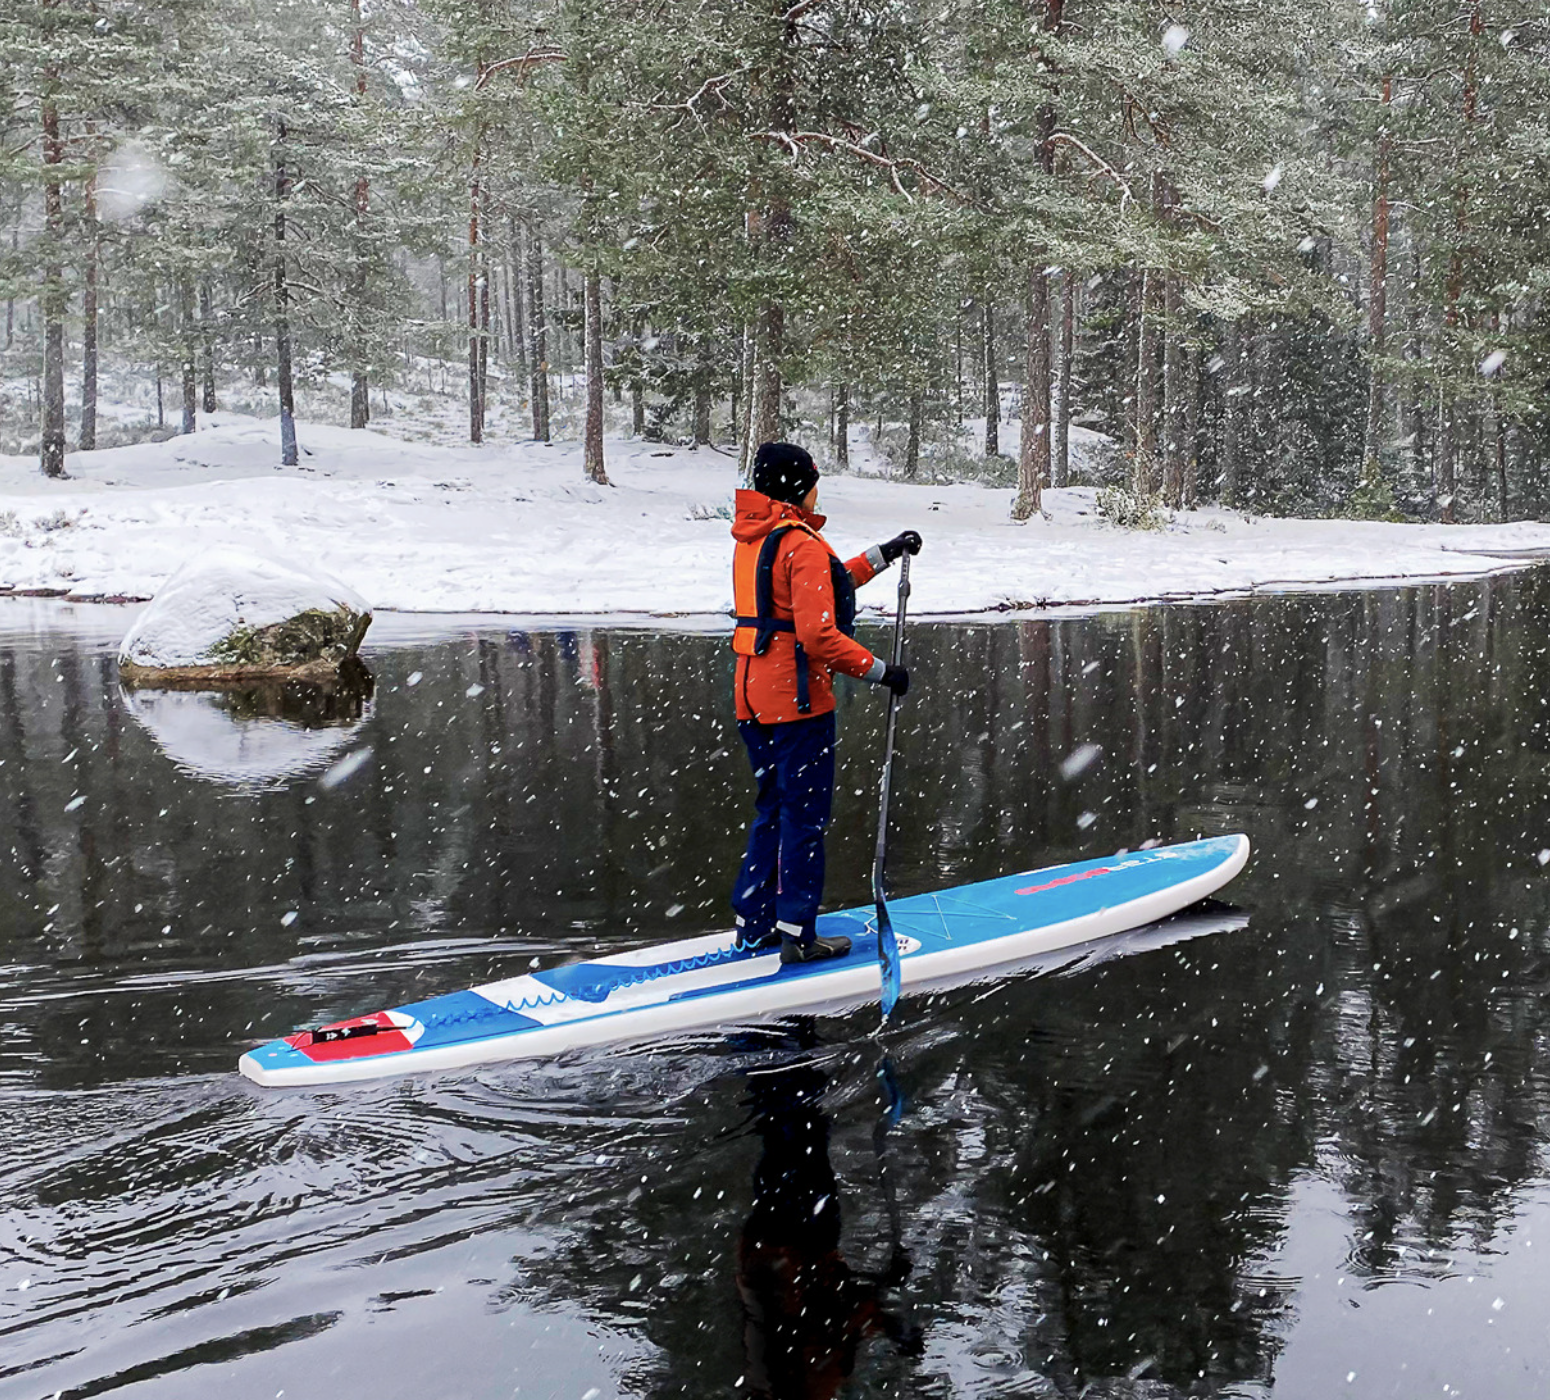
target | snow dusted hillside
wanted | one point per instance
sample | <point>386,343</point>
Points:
<point>513,527</point>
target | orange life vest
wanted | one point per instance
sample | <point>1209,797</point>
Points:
<point>753,595</point>
<point>753,591</point>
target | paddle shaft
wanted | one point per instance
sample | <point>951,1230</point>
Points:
<point>887,948</point>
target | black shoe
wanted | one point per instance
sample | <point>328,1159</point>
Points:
<point>814,950</point>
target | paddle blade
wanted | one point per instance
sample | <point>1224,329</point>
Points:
<point>887,959</point>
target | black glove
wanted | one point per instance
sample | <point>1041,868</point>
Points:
<point>907,543</point>
<point>897,679</point>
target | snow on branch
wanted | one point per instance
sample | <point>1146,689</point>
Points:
<point>521,62</point>
<point>795,140</point>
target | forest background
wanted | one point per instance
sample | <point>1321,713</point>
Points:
<point>1291,257</point>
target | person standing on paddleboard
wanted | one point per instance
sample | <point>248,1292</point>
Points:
<point>796,610</point>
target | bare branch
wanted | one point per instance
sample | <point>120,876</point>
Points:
<point>795,140</point>
<point>521,62</point>
<point>711,87</point>
<point>1100,166</point>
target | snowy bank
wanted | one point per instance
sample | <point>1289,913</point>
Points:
<point>513,527</point>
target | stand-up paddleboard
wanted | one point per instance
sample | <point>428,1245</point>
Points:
<point>707,981</point>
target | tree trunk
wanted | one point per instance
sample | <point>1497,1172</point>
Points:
<point>1411,417</point>
<point>1033,458</point>
<point>638,383</point>
<point>701,427</point>
<point>912,446</point>
<point>842,427</point>
<point>1060,455</point>
<point>774,231</point>
<point>207,344</point>
<point>1444,459</point>
<point>1377,297</point>
<point>1173,399</point>
<point>53,299</point>
<point>88,438</point>
<point>10,300</point>
<point>592,437</point>
<point>289,455</point>
<point>493,320</point>
<point>1445,473</point>
<point>990,379</point>
<point>1191,427</point>
<point>1144,475</point>
<point>190,391</point>
<point>1265,436</point>
<point>958,364</point>
<point>1234,411</point>
<point>538,348</point>
<point>767,375</point>
<point>746,374</point>
<point>1495,446</point>
<point>1130,355</point>
<point>360,393</point>
<point>1501,467</point>
<point>360,400</point>
<point>516,315</point>
<point>190,357</point>
<point>475,286</point>
<point>485,273</point>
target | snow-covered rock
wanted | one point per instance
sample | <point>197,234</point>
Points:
<point>234,612</point>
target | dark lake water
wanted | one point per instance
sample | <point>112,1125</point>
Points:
<point>1306,1157</point>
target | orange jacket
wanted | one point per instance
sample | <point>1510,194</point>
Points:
<point>803,593</point>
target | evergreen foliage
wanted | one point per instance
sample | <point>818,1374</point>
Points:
<point>1304,239</point>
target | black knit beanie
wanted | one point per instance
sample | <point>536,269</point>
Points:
<point>784,472</point>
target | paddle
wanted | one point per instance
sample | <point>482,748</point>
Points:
<point>887,945</point>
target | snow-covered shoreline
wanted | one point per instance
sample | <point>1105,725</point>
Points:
<point>513,529</point>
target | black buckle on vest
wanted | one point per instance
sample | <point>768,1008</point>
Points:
<point>764,629</point>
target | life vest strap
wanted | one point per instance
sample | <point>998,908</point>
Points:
<point>764,624</point>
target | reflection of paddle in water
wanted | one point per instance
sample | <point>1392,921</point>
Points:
<point>807,1312</point>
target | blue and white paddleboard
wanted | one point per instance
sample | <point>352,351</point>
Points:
<point>948,936</point>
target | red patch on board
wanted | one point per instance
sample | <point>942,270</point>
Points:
<point>1068,879</point>
<point>387,1041</point>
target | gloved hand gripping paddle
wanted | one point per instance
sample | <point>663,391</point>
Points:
<point>887,945</point>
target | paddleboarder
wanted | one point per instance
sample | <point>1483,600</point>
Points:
<point>796,608</point>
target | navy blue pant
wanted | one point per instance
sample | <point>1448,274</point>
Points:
<point>782,874</point>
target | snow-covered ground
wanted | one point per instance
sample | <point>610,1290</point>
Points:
<point>513,527</point>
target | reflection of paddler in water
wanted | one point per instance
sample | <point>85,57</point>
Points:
<point>807,1312</point>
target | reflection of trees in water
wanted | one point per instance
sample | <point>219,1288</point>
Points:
<point>1387,752</point>
<point>1384,751</point>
